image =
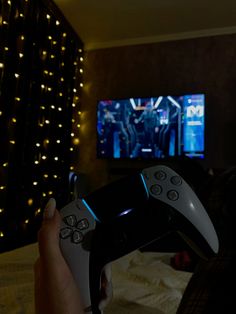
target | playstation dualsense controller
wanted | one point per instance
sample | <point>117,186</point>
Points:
<point>127,215</point>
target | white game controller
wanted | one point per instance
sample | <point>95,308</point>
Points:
<point>126,215</point>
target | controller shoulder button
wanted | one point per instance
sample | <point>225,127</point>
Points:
<point>70,220</point>
<point>65,233</point>
<point>176,180</point>
<point>77,237</point>
<point>173,195</point>
<point>156,189</point>
<point>160,175</point>
<point>83,224</point>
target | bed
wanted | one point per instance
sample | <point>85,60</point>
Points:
<point>143,282</point>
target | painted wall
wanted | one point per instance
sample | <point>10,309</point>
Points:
<point>186,66</point>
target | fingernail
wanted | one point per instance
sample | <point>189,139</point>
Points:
<point>49,209</point>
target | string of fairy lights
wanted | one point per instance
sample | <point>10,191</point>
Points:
<point>41,70</point>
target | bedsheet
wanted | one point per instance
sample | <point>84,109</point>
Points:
<point>143,283</point>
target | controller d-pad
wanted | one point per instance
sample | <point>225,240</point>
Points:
<point>65,233</point>
<point>176,180</point>
<point>173,195</point>
<point>74,228</point>
<point>77,237</point>
<point>70,220</point>
<point>83,224</point>
<point>156,189</point>
<point>160,175</point>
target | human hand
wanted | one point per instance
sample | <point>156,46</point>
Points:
<point>56,291</point>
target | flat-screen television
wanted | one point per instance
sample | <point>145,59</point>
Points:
<point>151,128</point>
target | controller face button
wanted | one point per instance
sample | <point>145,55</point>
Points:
<point>156,189</point>
<point>65,233</point>
<point>160,175</point>
<point>77,237</point>
<point>70,220</point>
<point>173,195</point>
<point>176,180</point>
<point>83,224</point>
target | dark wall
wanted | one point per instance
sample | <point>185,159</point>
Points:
<point>205,65</point>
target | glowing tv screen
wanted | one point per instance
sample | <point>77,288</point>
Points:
<point>151,128</point>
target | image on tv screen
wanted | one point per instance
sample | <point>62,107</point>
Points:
<point>149,128</point>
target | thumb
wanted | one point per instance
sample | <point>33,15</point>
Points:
<point>48,235</point>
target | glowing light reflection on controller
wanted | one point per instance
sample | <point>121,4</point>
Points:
<point>90,210</point>
<point>125,212</point>
<point>145,185</point>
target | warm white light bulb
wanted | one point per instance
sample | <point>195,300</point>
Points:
<point>30,201</point>
<point>38,211</point>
